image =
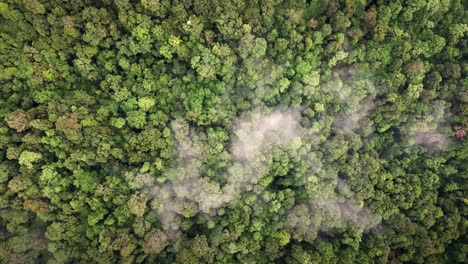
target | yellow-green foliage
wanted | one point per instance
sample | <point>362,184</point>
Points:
<point>233,131</point>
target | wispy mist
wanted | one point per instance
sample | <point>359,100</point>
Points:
<point>187,192</point>
<point>428,130</point>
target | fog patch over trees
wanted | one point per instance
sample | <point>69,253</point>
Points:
<point>258,135</point>
<point>431,130</point>
<point>187,192</point>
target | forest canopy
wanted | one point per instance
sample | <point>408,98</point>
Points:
<point>233,131</point>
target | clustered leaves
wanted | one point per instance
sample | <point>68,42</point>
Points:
<point>123,132</point>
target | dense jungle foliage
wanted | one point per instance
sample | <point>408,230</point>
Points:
<point>233,131</point>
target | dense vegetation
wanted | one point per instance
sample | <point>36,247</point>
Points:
<point>233,131</point>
